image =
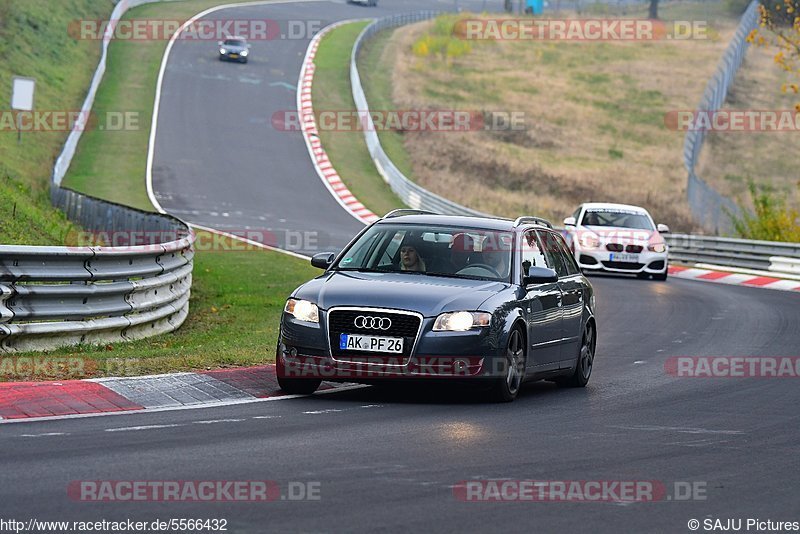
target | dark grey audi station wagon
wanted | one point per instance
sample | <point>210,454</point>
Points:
<point>420,296</point>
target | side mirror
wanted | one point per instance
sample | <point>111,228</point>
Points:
<point>219,43</point>
<point>323,260</point>
<point>539,275</point>
<point>662,228</point>
<point>569,221</point>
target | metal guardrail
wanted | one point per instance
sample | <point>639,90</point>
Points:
<point>739,253</point>
<point>709,207</point>
<point>410,193</point>
<point>51,296</point>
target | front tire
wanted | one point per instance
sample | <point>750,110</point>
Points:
<point>583,367</point>
<point>299,386</point>
<point>662,277</point>
<point>507,388</point>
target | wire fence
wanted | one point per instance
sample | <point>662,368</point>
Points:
<point>709,208</point>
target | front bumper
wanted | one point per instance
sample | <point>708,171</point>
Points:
<point>233,57</point>
<point>600,259</point>
<point>303,352</point>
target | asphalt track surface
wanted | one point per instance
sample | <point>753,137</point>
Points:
<point>388,460</point>
<point>220,162</point>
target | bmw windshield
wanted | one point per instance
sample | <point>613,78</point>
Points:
<point>617,219</point>
<point>457,252</point>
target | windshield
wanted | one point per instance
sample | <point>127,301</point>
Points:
<point>617,219</point>
<point>233,42</point>
<point>457,252</point>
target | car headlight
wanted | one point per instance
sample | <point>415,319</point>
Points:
<point>461,321</point>
<point>590,241</point>
<point>244,53</point>
<point>223,51</point>
<point>657,247</point>
<point>302,310</point>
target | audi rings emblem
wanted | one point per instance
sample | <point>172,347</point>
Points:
<point>373,323</point>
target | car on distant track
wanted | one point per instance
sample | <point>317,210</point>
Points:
<point>417,295</point>
<point>371,3</point>
<point>618,238</point>
<point>234,49</point>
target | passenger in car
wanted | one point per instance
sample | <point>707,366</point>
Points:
<point>461,249</point>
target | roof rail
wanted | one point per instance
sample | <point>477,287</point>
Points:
<point>406,211</point>
<point>530,219</point>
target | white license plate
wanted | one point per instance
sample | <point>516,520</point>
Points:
<point>633,258</point>
<point>370,343</point>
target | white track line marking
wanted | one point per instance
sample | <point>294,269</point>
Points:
<point>46,434</point>
<point>679,429</point>
<point>214,421</point>
<point>250,242</point>
<point>142,427</point>
<point>178,408</point>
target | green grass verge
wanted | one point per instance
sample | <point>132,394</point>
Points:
<point>375,66</point>
<point>237,299</point>
<point>27,218</point>
<point>237,296</point>
<point>346,149</point>
<point>62,67</point>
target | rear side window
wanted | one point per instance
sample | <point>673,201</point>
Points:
<point>569,258</point>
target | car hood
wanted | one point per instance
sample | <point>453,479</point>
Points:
<point>427,295</point>
<point>625,236</point>
<point>234,49</point>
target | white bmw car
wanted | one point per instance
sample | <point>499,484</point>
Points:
<point>617,238</point>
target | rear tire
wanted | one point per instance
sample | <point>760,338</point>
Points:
<point>507,388</point>
<point>583,367</point>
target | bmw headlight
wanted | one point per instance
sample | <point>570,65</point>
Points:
<point>302,310</point>
<point>223,51</point>
<point>461,321</point>
<point>244,53</point>
<point>657,247</point>
<point>589,240</point>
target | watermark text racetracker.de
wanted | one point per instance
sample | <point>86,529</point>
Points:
<point>233,240</point>
<point>597,491</point>
<point>404,120</point>
<point>733,120</point>
<point>733,366</point>
<point>203,30</point>
<point>590,29</point>
<point>250,491</point>
<point>67,120</point>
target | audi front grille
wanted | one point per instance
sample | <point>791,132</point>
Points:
<point>343,321</point>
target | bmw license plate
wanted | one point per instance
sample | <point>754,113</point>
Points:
<point>371,343</point>
<point>234,56</point>
<point>633,258</point>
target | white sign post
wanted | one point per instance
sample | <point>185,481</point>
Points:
<point>22,99</point>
